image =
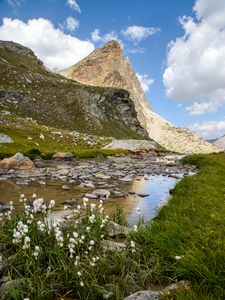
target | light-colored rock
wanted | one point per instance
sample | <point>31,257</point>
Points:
<point>63,155</point>
<point>132,145</point>
<point>182,284</point>
<point>220,142</point>
<point>17,161</point>
<point>114,229</point>
<point>112,246</point>
<point>101,193</point>
<point>5,139</point>
<point>144,295</point>
<point>107,67</point>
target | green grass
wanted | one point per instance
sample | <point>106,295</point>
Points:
<point>192,226</point>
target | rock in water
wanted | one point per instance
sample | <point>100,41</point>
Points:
<point>107,67</point>
<point>5,139</point>
<point>17,161</point>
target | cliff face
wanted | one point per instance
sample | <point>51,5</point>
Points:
<point>106,67</point>
<point>27,89</point>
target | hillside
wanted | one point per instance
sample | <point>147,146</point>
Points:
<point>106,67</point>
<point>27,89</point>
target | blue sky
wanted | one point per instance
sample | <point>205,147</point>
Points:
<point>187,90</point>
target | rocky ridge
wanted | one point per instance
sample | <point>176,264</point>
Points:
<point>106,67</point>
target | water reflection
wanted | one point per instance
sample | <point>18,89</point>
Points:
<point>156,187</point>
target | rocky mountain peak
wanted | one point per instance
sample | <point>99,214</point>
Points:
<point>106,67</point>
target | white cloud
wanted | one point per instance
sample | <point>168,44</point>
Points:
<point>56,49</point>
<point>145,81</point>
<point>72,23</point>
<point>209,129</point>
<point>15,3</point>
<point>138,33</point>
<point>95,35</point>
<point>212,104</point>
<point>73,5</point>
<point>112,35</point>
<point>196,61</point>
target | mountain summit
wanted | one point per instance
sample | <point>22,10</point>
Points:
<point>107,67</point>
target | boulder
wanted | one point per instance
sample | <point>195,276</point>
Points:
<point>17,161</point>
<point>5,139</point>
<point>114,229</point>
<point>63,155</point>
<point>144,295</point>
<point>133,145</point>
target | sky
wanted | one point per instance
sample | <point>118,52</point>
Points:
<point>177,48</point>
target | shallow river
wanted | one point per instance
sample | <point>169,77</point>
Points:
<point>148,190</point>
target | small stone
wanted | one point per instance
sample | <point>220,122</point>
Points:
<point>112,246</point>
<point>65,187</point>
<point>182,284</point>
<point>69,201</point>
<point>91,196</point>
<point>144,295</point>
<point>143,195</point>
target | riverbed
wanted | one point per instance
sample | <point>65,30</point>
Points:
<point>137,182</point>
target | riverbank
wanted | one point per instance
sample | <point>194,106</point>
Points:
<point>187,237</point>
<point>184,242</point>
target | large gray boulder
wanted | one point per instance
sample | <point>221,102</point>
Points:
<point>133,145</point>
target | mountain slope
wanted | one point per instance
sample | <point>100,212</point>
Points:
<point>220,142</point>
<point>27,89</point>
<point>106,67</point>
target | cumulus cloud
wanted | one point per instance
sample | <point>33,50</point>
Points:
<point>196,61</point>
<point>211,105</point>
<point>138,33</point>
<point>112,35</point>
<point>73,5</point>
<point>56,49</point>
<point>209,129</point>
<point>72,23</point>
<point>145,81</point>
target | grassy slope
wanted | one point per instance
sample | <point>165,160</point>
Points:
<point>54,100</point>
<point>192,225</point>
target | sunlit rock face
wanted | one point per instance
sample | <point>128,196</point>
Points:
<point>107,67</point>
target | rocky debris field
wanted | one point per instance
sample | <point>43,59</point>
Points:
<point>99,178</point>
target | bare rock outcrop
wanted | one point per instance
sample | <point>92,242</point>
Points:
<point>107,67</point>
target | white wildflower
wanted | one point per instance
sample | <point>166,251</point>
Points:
<point>51,204</point>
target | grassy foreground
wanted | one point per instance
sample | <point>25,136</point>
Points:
<point>185,241</point>
<point>188,236</point>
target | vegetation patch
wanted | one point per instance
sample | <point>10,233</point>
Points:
<point>186,239</point>
<point>49,260</point>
